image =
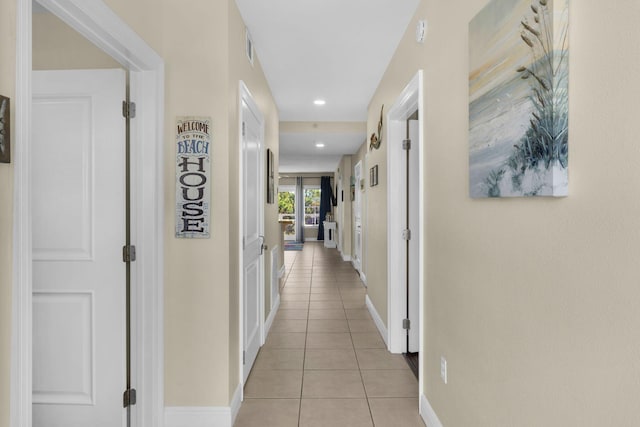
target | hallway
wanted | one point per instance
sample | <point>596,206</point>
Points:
<point>324,363</point>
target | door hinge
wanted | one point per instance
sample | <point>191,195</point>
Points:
<point>406,234</point>
<point>244,357</point>
<point>406,144</point>
<point>128,253</point>
<point>128,110</point>
<point>406,324</point>
<point>243,129</point>
<point>129,397</point>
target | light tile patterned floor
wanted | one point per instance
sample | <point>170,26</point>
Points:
<point>324,363</point>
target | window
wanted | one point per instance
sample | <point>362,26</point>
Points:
<point>312,206</point>
<point>287,208</point>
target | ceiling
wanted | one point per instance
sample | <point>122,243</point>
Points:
<point>336,50</point>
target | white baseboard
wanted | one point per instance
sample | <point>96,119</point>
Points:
<point>271,317</point>
<point>204,416</point>
<point>378,320</point>
<point>363,278</point>
<point>428,414</point>
<point>236,402</point>
<point>345,258</point>
<point>282,272</point>
<point>310,239</point>
<point>197,416</point>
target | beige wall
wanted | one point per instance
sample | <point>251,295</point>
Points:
<point>56,46</point>
<point>532,301</point>
<point>7,88</point>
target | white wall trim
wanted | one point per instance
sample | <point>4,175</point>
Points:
<point>310,239</point>
<point>21,344</point>
<point>236,403</point>
<point>407,102</point>
<point>428,414</point>
<point>363,278</point>
<point>204,416</point>
<point>101,26</point>
<point>378,320</point>
<point>345,258</point>
<point>271,317</point>
<point>198,416</point>
<point>283,271</point>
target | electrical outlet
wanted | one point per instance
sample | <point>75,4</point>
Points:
<point>443,369</point>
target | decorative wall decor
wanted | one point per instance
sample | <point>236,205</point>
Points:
<point>193,172</point>
<point>5,134</point>
<point>270,177</point>
<point>519,103</point>
<point>373,176</point>
<point>376,140</point>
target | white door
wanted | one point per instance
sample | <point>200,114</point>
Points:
<point>357,219</point>
<point>78,210</point>
<point>252,230</point>
<point>413,254</point>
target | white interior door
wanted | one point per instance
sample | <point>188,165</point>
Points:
<point>252,230</point>
<point>78,201</point>
<point>414,243</point>
<point>357,219</point>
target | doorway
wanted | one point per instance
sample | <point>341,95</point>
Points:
<point>252,220</point>
<point>405,231</point>
<point>98,24</point>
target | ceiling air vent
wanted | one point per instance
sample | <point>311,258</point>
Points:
<point>249,46</point>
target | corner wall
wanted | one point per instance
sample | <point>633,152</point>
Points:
<point>7,88</point>
<point>533,302</point>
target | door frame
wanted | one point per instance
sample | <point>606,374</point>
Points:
<point>245,95</point>
<point>410,100</point>
<point>100,25</point>
<point>357,261</point>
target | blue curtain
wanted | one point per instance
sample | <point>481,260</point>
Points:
<point>326,200</point>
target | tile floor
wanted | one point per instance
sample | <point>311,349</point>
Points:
<point>324,363</point>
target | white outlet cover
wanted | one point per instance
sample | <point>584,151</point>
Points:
<point>421,31</point>
<point>443,369</point>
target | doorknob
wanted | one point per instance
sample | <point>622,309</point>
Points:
<point>263,247</point>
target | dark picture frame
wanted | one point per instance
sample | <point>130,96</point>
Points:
<point>373,176</point>
<point>5,129</point>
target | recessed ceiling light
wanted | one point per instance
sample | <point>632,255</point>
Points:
<point>319,102</point>
<point>320,144</point>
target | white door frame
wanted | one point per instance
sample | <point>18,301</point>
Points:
<point>410,100</point>
<point>356,258</point>
<point>245,95</point>
<point>100,25</point>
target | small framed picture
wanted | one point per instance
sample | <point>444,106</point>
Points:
<point>373,176</point>
<point>5,134</point>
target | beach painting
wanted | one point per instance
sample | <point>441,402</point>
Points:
<point>518,99</point>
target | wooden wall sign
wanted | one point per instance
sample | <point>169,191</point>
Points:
<point>193,176</point>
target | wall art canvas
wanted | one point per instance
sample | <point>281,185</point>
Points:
<point>518,99</point>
